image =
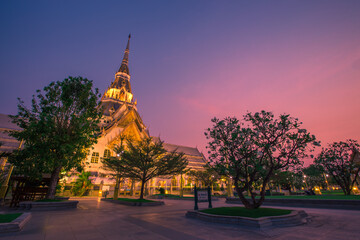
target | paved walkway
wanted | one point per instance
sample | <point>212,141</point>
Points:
<point>103,220</point>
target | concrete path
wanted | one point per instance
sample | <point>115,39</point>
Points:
<point>103,220</point>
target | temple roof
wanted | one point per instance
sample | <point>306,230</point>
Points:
<point>108,105</point>
<point>187,150</point>
<point>195,158</point>
<point>121,82</point>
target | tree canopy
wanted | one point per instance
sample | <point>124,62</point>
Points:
<point>338,161</point>
<point>287,179</point>
<point>250,151</point>
<point>147,159</point>
<point>207,177</point>
<point>314,176</point>
<point>82,184</point>
<point>58,128</point>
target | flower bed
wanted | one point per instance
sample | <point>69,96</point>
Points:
<point>286,218</point>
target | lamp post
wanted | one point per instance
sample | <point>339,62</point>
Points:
<point>326,181</point>
<point>305,182</point>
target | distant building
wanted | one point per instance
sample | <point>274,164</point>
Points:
<point>7,143</point>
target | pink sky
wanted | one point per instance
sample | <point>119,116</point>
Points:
<point>193,60</point>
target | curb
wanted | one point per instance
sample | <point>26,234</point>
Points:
<point>144,204</point>
<point>295,218</point>
<point>182,199</point>
<point>307,203</point>
<point>16,225</point>
<point>48,206</point>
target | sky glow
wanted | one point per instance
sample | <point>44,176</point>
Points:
<point>193,60</point>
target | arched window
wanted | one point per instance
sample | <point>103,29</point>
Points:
<point>95,157</point>
<point>107,153</point>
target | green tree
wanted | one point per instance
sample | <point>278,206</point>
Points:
<point>114,165</point>
<point>58,128</point>
<point>338,161</point>
<point>208,176</point>
<point>313,176</point>
<point>284,179</point>
<point>251,151</point>
<point>146,159</point>
<point>82,184</point>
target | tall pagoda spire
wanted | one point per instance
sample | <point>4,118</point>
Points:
<point>124,64</point>
<point>120,90</point>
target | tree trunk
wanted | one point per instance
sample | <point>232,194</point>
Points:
<point>181,185</point>
<point>239,191</point>
<point>229,187</point>
<point>142,189</point>
<point>171,186</point>
<point>53,182</point>
<point>120,186</point>
<point>258,203</point>
<point>132,188</point>
<point>116,190</point>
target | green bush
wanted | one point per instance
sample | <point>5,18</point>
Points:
<point>161,190</point>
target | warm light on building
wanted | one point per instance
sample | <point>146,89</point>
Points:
<point>119,94</point>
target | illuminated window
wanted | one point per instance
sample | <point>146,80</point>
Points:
<point>107,153</point>
<point>95,157</point>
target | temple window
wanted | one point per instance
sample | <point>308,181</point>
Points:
<point>95,157</point>
<point>107,153</point>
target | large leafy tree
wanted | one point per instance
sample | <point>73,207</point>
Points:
<point>338,160</point>
<point>147,159</point>
<point>58,128</point>
<point>250,152</point>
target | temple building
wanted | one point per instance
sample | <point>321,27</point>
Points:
<point>121,118</point>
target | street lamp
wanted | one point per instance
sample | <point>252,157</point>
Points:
<point>305,182</point>
<point>326,181</point>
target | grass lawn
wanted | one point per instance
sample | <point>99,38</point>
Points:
<point>133,200</point>
<point>6,218</point>
<point>329,197</point>
<point>51,200</point>
<point>244,212</point>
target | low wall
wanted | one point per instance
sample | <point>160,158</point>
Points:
<point>179,198</point>
<point>46,206</point>
<point>295,218</point>
<point>16,225</point>
<point>155,203</point>
<point>307,203</point>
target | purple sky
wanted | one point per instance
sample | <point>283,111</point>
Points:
<point>193,60</point>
